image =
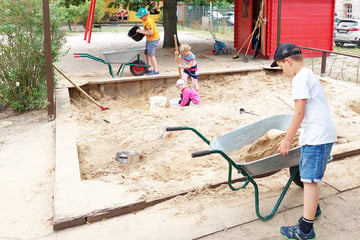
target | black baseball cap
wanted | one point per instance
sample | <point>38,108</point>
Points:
<point>285,50</point>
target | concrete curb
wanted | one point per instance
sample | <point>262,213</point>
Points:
<point>75,201</point>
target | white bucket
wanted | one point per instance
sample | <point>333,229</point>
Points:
<point>158,101</point>
<point>174,102</point>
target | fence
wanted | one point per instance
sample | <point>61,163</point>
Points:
<point>340,66</point>
<point>203,18</point>
<point>335,65</point>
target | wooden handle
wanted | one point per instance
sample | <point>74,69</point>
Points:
<point>287,104</point>
<point>176,44</point>
<point>77,87</point>
<point>176,50</point>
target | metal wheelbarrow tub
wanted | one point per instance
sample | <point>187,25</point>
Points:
<point>272,163</point>
<point>233,140</point>
<point>121,56</point>
<point>125,57</point>
<point>248,134</point>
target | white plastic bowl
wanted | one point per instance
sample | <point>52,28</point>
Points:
<point>158,101</point>
<point>174,102</point>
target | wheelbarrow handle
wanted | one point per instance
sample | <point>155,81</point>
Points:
<point>188,128</point>
<point>201,153</point>
<point>174,129</point>
<point>80,54</point>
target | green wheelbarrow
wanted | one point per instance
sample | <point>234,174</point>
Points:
<point>266,166</point>
<point>126,57</point>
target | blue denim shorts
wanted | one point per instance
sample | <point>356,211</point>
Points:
<point>151,47</point>
<point>313,162</point>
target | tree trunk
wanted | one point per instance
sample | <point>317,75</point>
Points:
<point>170,22</point>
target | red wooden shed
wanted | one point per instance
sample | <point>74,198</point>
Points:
<point>306,23</point>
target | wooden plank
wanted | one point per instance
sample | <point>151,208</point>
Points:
<point>341,151</point>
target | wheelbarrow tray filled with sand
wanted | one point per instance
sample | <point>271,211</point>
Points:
<point>234,140</point>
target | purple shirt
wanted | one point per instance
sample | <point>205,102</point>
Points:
<point>189,94</point>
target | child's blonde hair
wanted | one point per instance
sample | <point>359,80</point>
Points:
<point>185,48</point>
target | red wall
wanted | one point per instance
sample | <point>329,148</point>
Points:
<point>242,26</point>
<point>306,23</point>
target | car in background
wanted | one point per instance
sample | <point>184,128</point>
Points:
<point>336,20</point>
<point>214,15</point>
<point>347,31</point>
<point>230,16</point>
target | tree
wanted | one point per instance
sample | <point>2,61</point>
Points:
<point>169,15</point>
<point>67,3</point>
<point>133,4</point>
<point>170,23</point>
<point>207,2</point>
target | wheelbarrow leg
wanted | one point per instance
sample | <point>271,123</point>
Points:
<point>111,71</point>
<point>96,59</point>
<point>231,165</point>
<point>282,195</point>
<point>120,69</point>
<point>249,179</point>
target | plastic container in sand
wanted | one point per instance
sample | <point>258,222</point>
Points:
<point>158,101</point>
<point>135,35</point>
<point>174,102</point>
<point>127,157</point>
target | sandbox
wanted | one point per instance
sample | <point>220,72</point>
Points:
<point>166,167</point>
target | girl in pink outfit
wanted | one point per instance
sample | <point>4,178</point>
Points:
<point>188,95</point>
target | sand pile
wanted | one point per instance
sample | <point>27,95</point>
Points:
<point>267,145</point>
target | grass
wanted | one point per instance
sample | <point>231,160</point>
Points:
<point>221,30</point>
<point>348,49</point>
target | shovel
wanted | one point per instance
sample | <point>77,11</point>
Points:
<point>80,89</point>
<point>242,110</point>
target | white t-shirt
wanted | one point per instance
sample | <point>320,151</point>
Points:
<point>317,125</point>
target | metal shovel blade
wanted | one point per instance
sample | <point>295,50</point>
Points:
<point>242,110</point>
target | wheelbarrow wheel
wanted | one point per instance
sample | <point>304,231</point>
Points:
<point>138,68</point>
<point>296,179</point>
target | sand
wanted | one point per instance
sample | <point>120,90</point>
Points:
<point>166,167</point>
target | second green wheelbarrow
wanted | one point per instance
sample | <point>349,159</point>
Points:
<point>125,57</point>
<point>266,166</point>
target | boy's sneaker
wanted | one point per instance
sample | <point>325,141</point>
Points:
<point>294,233</point>
<point>153,73</point>
<point>148,71</point>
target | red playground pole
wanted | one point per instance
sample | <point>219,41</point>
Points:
<point>88,21</point>
<point>92,19</point>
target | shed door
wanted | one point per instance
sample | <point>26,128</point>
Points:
<point>258,22</point>
<point>263,27</point>
<point>245,24</point>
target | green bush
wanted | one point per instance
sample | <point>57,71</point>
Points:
<point>84,11</point>
<point>22,65</point>
<point>78,14</point>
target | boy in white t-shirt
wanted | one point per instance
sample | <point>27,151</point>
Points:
<point>317,134</point>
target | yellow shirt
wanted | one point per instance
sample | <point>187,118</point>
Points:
<point>149,24</point>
